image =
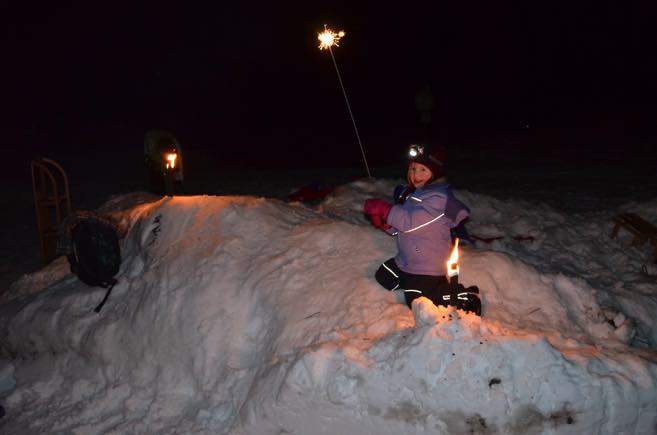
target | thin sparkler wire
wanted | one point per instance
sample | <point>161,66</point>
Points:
<point>350,113</point>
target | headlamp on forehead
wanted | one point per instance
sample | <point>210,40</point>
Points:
<point>415,151</point>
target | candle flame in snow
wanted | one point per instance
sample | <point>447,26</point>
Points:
<point>329,38</point>
<point>453,262</point>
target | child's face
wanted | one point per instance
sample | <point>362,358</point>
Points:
<point>418,174</point>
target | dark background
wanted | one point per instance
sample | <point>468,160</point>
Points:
<point>568,82</point>
<point>546,101</point>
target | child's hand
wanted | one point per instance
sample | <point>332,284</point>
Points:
<point>377,211</point>
<point>379,223</point>
<point>377,207</point>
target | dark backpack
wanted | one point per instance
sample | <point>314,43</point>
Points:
<point>96,255</point>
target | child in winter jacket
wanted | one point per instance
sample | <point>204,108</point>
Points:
<point>422,218</point>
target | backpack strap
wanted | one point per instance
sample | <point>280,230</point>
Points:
<point>109,290</point>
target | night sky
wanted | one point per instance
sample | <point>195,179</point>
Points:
<point>246,81</point>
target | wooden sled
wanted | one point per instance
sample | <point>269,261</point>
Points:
<point>52,202</point>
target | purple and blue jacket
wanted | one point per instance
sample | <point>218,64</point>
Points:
<point>422,225</point>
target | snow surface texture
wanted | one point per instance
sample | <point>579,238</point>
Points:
<point>245,315</point>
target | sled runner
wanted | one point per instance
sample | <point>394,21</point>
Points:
<point>52,202</point>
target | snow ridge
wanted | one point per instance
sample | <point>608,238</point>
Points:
<point>248,315</point>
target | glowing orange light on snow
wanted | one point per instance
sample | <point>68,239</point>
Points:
<point>171,160</point>
<point>453,262</point>
<point>329,38</point>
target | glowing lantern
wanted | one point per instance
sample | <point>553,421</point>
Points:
<point>171,160</point>
<point>453,264</point>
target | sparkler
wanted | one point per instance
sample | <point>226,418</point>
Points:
<point>453,264</point>
<point>327,39</point>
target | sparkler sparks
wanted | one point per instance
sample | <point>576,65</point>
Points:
<point>329,38</point>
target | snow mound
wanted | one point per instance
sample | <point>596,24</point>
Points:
<point>248,315</point>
